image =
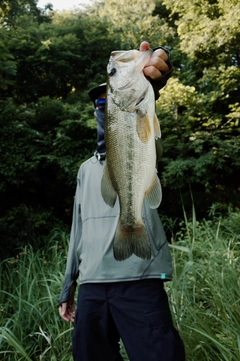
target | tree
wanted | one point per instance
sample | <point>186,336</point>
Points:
<point>45,132</point>
<point>10,10</point>
<point>200,110</point>
<point>132,22</point>
<point>7,63</point>
<point>57,58</point>
<point>42,146</point>
<point>49,61</point>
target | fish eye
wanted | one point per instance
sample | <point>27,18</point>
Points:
<point>112,71</point>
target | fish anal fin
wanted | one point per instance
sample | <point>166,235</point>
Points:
<point>153,195</point>
<point>131,240</point>
<point>108,192</point>
<point>143,127</point>
<point>157,129</point>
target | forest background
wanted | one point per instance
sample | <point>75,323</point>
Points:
<point>48,62</point>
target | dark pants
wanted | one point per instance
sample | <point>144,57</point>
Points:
<point>135,311</point>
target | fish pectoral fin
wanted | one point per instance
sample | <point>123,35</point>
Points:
<point>108,192</point>
<point>143,127</point>
<point>157,129</point>
<point>153,195</point>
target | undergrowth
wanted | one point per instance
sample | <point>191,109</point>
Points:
<point>204,295</point>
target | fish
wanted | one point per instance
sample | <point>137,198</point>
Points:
<point>131,127</point>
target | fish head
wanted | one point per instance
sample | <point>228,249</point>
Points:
<point>126,83</point>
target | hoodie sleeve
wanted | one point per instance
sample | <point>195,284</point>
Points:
<point>73,258</point>
<point>161,82</point>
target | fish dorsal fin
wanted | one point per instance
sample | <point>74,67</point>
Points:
<point>153,195</point>
<point>143,127</point>
<point>108,192</point>
<point>157,129</point>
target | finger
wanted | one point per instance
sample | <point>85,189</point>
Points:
<point>71,308</point>
<point>68,316</point>
<point>158,63</point>
<point>152,72</point>
<point>62,312</point>
<point>62,309</point>
<point>144,46</point>
<point>160,53</point>
<point>66,312</point>
<point>64,316</point>
<point>71,315</point>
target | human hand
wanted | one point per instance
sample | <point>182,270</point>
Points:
<point>67,311</point>
<point>157,63</point>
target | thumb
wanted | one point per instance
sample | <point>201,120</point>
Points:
<point>144,46</point>
<point>63,308</point>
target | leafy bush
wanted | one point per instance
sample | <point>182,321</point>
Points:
<point>42,147</point>
<point>25,226</point>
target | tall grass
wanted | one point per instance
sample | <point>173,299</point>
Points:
<point>204,295</point>
<point>30,326</point>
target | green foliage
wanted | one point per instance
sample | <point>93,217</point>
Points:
<point>30,325</point>
<point>201,143</point>
<point>204,294</point>
<point>59,57</point>
<point>135,21</point>
<point>7,64</point>
<point>49,60</point>
<point>10,10</point>
<point>23,226</point>
<point>18,145</point>
<point>42,147</point>
<point>208,30</point>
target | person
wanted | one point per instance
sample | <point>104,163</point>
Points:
<point>117,299</point>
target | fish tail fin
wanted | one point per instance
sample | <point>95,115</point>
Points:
<point>129,240</point>
<point>140,242</point>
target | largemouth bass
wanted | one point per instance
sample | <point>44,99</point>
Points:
<point>131,127</point>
